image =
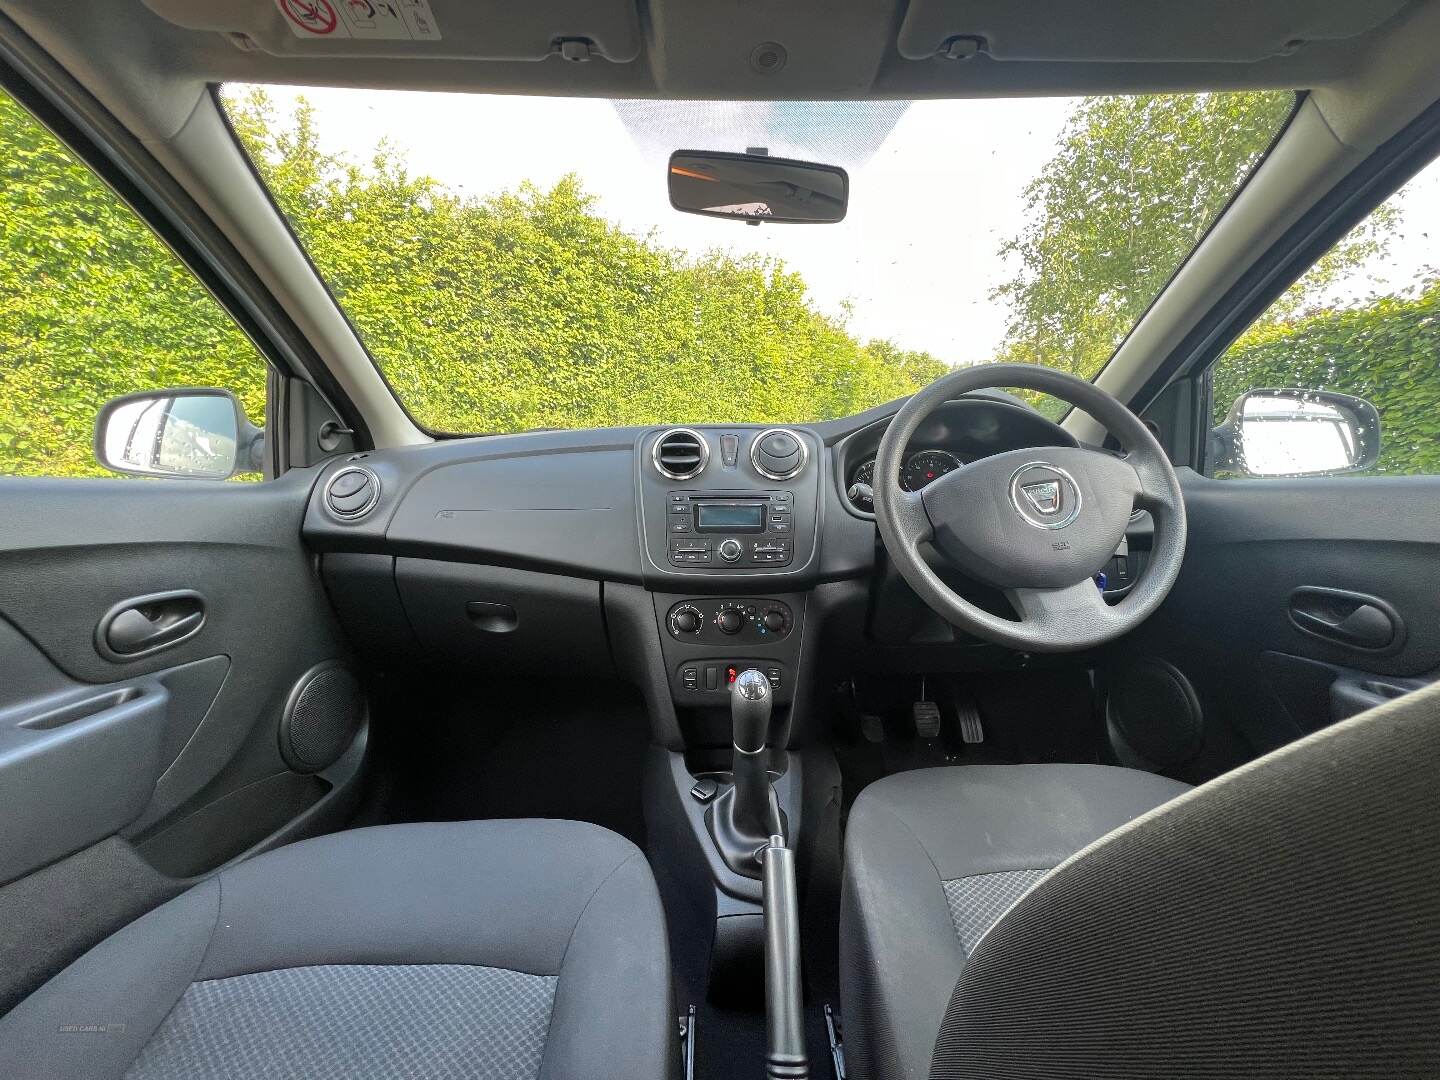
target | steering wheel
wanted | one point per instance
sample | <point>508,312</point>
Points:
<point>1038,523</point>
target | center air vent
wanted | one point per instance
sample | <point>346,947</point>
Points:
<point>778,454</point>
<point>681,454</point>
<point>352,493</point>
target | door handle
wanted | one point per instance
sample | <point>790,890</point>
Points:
<point>146,624</point>
<point>1346,618</point>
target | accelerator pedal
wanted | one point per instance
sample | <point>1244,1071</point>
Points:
<point>972,731</point>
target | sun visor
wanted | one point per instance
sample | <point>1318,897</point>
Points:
<point>439,29</point>
<point>1137,31</point>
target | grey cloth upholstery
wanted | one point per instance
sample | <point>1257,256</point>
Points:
<point>337,1021</point>
<point>977,901</point>
<point>932,857</point>
<point>568,904</point>
<point>1282,921</point>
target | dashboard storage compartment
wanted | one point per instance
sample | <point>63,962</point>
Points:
<point>491,617</point>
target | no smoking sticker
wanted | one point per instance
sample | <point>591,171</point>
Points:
<point>387,20</point>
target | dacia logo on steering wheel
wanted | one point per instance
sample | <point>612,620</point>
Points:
<point>1045,495</point>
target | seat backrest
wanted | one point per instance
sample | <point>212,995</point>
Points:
<point>1281,921</point>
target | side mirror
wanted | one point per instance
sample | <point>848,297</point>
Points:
<point>193,433</point>
<point>1297,433</point>
<point>756,187</point>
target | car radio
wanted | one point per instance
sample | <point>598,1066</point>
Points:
<point>722,529</point>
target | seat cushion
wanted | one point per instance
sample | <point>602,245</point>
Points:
<point>498,949</point>
<point>933,858</point>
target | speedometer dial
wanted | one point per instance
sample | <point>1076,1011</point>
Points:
<point>926,467</point>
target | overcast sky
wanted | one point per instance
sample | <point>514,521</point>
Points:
<point>916,255</point>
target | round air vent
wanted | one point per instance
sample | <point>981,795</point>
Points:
<point>352,492</point>
<point>681,454</point>
<point>778,454</point>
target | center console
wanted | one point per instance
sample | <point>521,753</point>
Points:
<point>723,505</point>
<point>727,514</point>
<point>729,528</point>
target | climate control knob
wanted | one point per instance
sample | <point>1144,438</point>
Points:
<point>730,550</point>
<point>686,621</point>
<point>773,620</point>
<point>730,621</point>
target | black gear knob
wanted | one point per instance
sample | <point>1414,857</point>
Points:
<point>750,704</point>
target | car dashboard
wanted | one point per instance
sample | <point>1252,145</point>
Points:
<point>675,555</point>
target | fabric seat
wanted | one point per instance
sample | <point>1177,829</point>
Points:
<point>933,858</point>
<point>495,949</point>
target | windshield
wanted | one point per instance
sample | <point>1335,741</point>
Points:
<point>514,263</point>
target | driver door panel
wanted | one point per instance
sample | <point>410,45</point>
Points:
<point>1269,619</point>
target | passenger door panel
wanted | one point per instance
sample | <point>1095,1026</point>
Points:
<point>173,751</point>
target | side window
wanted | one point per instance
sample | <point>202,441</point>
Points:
<point>92,307</point>
<point>1342,373</point>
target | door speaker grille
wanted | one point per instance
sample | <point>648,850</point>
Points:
<point>322,716</point>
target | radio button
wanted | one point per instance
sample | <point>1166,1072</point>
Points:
<point>690,558</point>
<point>679,526</point>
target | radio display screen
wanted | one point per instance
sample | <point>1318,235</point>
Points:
<point>741,517</point>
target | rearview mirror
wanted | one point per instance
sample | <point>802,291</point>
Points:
<point>1297,433</point>
<point>755,188</point>
<point>195,433</point>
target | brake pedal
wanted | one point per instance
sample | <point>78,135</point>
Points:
<point>927,719</point>
<point>926,715</point>
<point>972,731</point>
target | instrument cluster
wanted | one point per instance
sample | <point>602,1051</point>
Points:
<point>921,468</point>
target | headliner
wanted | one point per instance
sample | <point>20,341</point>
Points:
<point>832,49</point>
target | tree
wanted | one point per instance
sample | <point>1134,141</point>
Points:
<point>1133,186</point>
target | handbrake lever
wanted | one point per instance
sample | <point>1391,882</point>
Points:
<point>784,1014</point>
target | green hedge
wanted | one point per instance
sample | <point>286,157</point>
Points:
<point>1387,352</point>
<point>529,309</point>
<point>524,309</point>
<point>92,305</point>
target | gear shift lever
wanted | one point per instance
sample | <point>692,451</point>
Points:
<point>744,818</point>
<point>750,705</point>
